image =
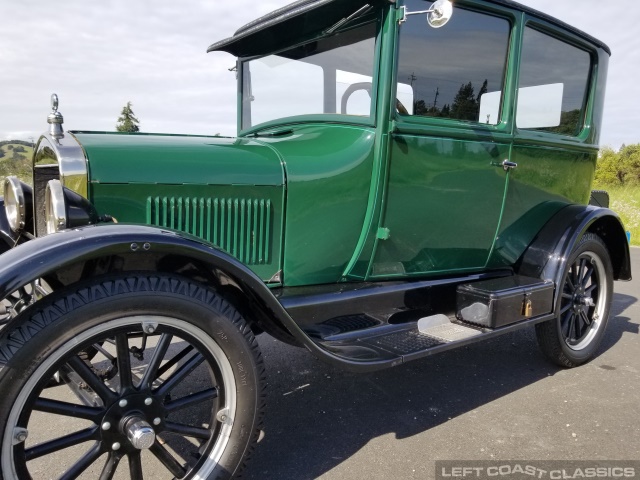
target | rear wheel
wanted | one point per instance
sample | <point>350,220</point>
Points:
<point>174,389</point>
<point>573,337</point>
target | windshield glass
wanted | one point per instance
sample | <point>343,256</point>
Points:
<point>332,75</point>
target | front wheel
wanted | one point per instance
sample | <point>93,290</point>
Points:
<point>175,389</point>
<point>573,337</point>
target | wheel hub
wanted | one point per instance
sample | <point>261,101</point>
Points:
<point>140,433</point>
<point>132,422</point>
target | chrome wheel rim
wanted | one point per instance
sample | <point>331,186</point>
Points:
<point>583,301</point>
<point>137,416</point>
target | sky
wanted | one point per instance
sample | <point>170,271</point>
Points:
<point>97,56</point>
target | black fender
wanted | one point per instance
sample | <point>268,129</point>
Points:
<point>72,255</point>
<point>8,238</point>
<point>547,255</point>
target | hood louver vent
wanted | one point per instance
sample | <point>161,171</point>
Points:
<point>240,226</point>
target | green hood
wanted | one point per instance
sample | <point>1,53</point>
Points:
<point>116,158</point>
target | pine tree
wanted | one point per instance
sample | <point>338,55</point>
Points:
<point>127,122</point>
<point>464,105</point>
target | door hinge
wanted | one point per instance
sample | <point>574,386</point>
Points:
<point>383,233</point>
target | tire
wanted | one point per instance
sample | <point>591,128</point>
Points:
<point>191,407</point>
<point>583,305</point>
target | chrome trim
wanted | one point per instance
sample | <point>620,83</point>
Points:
<point>55,119</point>
<point>54,207</point>
<point>72,162</point>
<point>16,212</point>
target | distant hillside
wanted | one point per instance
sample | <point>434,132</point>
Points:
<point>15,159</point>
<point>16,142</point>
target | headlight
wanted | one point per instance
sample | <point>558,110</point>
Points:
<point>17,203</point>
<point>64,208</point>
<point>54,207</point>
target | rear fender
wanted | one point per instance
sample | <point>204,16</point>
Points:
<point>547,256</point>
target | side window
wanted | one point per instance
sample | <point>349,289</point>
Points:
<point>456,71</point>
<point>553,84</point>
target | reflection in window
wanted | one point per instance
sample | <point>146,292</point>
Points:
<point>450,70</point>
<point>553,84</point>
<point>332,75</point>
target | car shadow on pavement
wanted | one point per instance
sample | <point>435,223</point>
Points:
<point>619,323</point>
<point>318,416</point>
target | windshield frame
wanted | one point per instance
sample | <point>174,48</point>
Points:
<point>376,17</point>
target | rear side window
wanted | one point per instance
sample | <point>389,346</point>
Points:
<point>552,91</point>
<point>456,71</point>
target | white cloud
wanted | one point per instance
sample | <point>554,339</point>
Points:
<point>99,55</point>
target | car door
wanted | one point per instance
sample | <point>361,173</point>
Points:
<point>446,181</point>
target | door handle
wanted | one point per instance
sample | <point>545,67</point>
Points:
<point>506,164</point>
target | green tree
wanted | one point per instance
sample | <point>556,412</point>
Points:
<point>609,170</point>
<point>465,106</point>
<point>630,163</point>
<point>619,168</point>
<point>127,122</point>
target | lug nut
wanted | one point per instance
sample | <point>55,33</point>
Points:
<point>148,401</point>
<point>20,435</point>
<point>106,426</point>
<point>123,403</point>
<point>156,421</point>
<point>115,446</point>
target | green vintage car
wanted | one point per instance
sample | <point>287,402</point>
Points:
<point>408,177</point>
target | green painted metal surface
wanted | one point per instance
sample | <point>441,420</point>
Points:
<point>329,171</point>
<point>443,205</point>
<point>241,226</point>
<point>329,198</point>
<point>245,221</point>
<point>179,159</point>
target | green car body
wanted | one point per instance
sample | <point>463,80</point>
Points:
<point>361,212</point>
<point>334,183</point>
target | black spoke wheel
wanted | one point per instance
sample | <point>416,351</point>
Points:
<point>174,389</point>
<point>583,305</point>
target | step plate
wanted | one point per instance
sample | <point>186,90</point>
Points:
<point>450,332</point>
<point>404,342</point>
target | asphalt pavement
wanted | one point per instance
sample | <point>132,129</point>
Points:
<point>495,400</point>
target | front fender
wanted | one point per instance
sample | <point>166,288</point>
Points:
<point>548,254</point>
<point>7,236</point>
<point>144,246</point>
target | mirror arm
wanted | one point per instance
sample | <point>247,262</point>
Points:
<point>439,13</point>
<point>405,13</point>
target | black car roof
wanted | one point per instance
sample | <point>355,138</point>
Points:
<point>238,44</point>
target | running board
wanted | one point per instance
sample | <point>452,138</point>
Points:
<point>396,344</point>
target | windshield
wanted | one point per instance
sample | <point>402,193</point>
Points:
<point>332,75</point>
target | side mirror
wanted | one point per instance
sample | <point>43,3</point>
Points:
<point>438,15</point>
<point>441,13</point>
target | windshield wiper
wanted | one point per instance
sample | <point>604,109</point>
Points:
<point>344,21</point>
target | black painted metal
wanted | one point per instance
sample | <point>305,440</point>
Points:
<point>396,344</point>
<point>73,249</point>
<point>547,256</point>
<point>599,198</point>
<point>140,246</point>
<point>499,302</point>
<point>315,305</point>
<point>8,238</point>
<point>288,17</point>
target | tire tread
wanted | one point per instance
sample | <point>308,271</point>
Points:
<point>37,317</point>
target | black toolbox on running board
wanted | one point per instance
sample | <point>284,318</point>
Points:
<point>501,301</point>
